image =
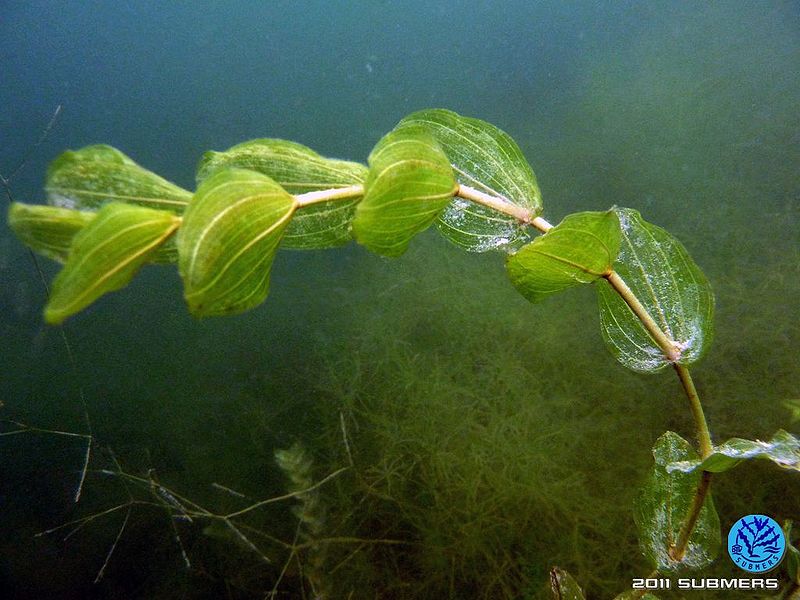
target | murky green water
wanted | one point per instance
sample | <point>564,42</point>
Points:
<point>485,439</point>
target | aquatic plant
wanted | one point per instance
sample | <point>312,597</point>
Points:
<point>108,217</point>
<point>297,464</point>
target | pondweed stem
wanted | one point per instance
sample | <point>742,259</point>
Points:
<point>671,350</point>
<point>669,347</point>
<point>315,197</point>
<point>679,549</point>
<point>704,439</point>
<point>522,214</point>
<point>703,435</point>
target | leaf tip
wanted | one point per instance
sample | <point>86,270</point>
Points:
<point>54,316</point>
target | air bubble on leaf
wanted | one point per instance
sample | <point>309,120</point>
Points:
<point>478,229</point>
<point>671,288</point>
<point>62,201</point>
<point>783,450</point>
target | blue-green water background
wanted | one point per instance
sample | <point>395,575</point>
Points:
<point>687,112</point>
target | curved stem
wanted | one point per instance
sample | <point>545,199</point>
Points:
<point>671,350</point>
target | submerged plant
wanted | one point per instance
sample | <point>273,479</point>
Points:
<point>297,465</point>
<point>107,217</point>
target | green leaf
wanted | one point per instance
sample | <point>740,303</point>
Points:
<point>106,254</point>
<point>485,158</point>
<point>298,170</point>
<point>410,181</point>
<point>793,406</point>
<point>783,449</point>
<point>48,230</point>
<point>96,175</point>
<point>635,595</point>
<point>228,239</point>
<point>663,505</point>
<point>564,586</point>
<point>672,289</point>
<point>578,250</point>
<point>792,563</point>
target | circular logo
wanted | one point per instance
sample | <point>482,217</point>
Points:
<point>756,543</point>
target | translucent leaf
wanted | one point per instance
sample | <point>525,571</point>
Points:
<point>783,449</point>
<point>663,505</point>
<point>564,586</point>
<point>96,175</point>
<point>48,230</point>
<point>410,181</point>
<point>298,170</point>
<point>672,289</point>
<point>106,254</point>
<point>485,158</point>
<point>578,250</point>
<point>228,239</point>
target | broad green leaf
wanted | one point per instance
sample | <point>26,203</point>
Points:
<point>485,158</point>
<point>564,586</point>
<point>298,170</point>
<point>669,285</point>
<point>410,181</point>
<point>228,239</point>
<point>783,449</point>
<point>48,230</point>
<point>96,175</point>
<point>635,595</point>
<point>106,254</point>
<point>663,506</point>
<point>578,250</point>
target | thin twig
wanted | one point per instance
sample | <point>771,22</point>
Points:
<point>50,125</point>
<point>113,547</point>
<point>185,556</point>
<point>245,540</point>
<point>228,490</point>
<point>6,182</point>
<point>344,438</point>
<point>274,591</point>
<point>321,482</point>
